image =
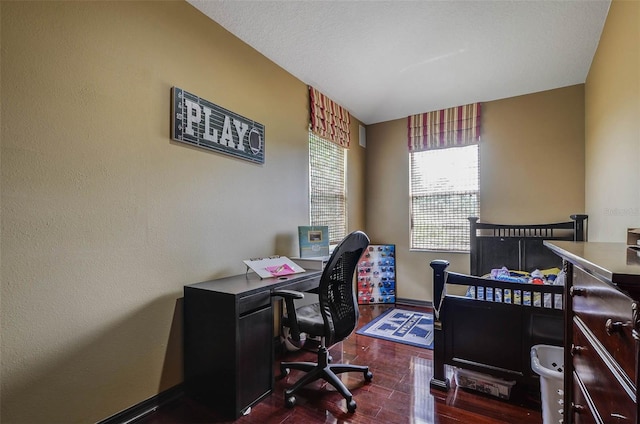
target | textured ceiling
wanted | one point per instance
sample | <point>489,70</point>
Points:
<point>385,60</point>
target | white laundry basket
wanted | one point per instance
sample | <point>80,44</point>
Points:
<point>548,362</point>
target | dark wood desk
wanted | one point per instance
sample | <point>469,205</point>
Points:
<point>228,339</point>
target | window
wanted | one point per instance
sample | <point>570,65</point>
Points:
<point>444,191</point>
<point>328,197</point>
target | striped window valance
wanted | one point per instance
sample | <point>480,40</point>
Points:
<point>329,120</point>
<point>456,126</point>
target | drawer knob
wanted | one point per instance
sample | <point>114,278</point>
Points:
<point>575,349</point>
<point>577,291</point>
<point>612,326</point>
<point>577,408</point>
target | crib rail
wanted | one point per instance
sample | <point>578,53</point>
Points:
<point>570,230</point>
<point>517,294</point>
<point>519,246</point>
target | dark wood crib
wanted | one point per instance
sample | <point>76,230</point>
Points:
<point>493,331</point>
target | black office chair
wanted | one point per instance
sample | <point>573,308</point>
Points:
<point>332,319</point>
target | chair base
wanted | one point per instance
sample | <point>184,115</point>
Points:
<point>325,371</point>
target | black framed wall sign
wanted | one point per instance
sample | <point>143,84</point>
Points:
<point>201,123</point>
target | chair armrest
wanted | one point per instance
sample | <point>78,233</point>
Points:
<point>292,318</point>
<point>286,294</point>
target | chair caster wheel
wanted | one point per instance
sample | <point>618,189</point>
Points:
<point>351,406</point>
<point>368,376</point>
<point>290,401</point>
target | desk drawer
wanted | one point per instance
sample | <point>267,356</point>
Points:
<point>301,286</point>
<point>595,303</point>
<point>254,302</point>
<point>604,387</point>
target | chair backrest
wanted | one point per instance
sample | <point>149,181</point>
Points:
<point>338,302</point>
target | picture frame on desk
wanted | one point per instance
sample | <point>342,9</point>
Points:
<point>313,240</point>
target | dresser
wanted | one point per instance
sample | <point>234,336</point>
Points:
<point>602,328</point>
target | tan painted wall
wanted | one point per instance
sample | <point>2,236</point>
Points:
<point>531,171</point>
<point>612,117</point>
<point>104,218</point>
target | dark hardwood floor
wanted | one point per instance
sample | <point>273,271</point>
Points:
<point>399,392</point>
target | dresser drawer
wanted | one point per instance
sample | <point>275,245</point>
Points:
<point>607,313</point>
<point>581,410</point>
<point>609,394</point>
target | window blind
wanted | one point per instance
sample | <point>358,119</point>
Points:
<point>328,199</point>
<point>444,189</point>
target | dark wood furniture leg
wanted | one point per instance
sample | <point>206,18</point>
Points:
<point>439,380</point>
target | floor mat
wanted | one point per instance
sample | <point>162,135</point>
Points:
<point>402,326</point>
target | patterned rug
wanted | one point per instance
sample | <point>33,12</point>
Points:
<point>402,326</point>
